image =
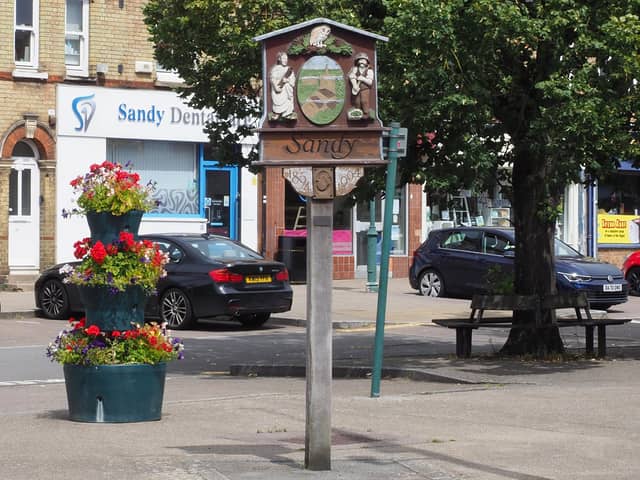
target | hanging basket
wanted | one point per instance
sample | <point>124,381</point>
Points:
<point>106,227</point>
<point>115,393</point>
<point>113,311</point>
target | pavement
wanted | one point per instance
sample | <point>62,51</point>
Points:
<point>437,417</point>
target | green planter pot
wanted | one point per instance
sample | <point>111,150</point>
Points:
<point>113,311</point>
<point>115,393</point>
<point>106,227</point>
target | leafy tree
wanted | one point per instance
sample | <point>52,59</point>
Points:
<point>545,86</point>
<point>529,94</point>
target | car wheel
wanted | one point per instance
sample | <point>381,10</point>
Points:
<point>633,277</point>
<point>175,309</point>
<point>254,320</point>
<point>54,300</point>
<point>431,284</point>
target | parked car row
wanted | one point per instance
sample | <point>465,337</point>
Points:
<point>207,276</point>
<point>460,262</point>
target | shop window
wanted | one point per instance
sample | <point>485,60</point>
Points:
<point>295,219</point>
<point>26,33</point>
<point>171,165</point>
<point>76,37</point>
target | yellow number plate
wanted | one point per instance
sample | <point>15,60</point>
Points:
<point>258,278</point>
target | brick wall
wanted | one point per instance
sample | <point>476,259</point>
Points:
<point>614,256</point>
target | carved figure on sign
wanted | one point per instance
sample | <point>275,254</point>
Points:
<point>319,35</point>
<point>361,79</point>
<point>283,81</point>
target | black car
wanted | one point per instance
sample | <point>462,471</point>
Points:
<point>461,261</point>
<point>207,276</point>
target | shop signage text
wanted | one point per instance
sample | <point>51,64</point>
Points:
<point>155,115</point>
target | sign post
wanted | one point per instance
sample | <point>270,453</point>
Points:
<point>320,125</point>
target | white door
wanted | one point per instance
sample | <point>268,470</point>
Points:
<point>24,212</point>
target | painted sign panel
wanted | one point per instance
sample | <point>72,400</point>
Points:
<point>322,148</point>
<point>321,89</point>
<point>320,102</point>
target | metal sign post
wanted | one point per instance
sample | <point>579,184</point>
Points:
<point>384,261</point>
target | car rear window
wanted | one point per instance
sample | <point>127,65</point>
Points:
<point>223,250</point>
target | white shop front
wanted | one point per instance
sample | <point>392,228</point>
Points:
<point>162,139</point>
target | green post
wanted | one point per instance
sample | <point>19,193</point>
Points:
<point>372,241</point>
<point>384,260</point>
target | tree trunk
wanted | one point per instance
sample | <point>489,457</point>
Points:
<point>534,222</point>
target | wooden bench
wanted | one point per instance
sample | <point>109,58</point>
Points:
<point>481,303</point>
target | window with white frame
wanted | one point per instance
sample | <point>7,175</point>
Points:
<point>76,37</point>
<point>170,165</point>
<point>26,33</point>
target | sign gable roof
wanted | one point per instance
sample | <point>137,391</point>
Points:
<point>300,26</point>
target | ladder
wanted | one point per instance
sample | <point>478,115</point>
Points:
<point>301,217</point>
<point>461,215</point>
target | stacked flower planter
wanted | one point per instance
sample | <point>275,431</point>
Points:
<point>114,393</point>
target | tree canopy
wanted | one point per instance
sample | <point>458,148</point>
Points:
<point>530,94</point>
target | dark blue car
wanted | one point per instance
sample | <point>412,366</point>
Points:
<point>459,261</point>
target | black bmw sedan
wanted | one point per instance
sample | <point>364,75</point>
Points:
<point>207,276</point>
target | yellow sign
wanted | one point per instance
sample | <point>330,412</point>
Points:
<point>618,228</point>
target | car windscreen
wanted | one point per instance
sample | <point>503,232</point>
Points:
<point>219,249</point>
<point>561,249</point>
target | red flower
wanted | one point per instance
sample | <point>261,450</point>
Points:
<point>127,239</point>
<point>82,321</point>
<point>112,249</point>
<point>93,330</point>
<point>115,334</point>
<point>94,167</point>
<point>153,340</point>
<point>98,252</point>
<point>80,252</point>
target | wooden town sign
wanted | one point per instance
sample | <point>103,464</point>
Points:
<point>320,100</point>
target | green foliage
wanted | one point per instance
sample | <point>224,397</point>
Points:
<point>300,46</point>
<point>117,265</point>
<point>499,282</point>
<point>80,345</point>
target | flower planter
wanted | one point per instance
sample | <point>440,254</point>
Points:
<point>113,311</point>
<point>115,393</point>
<point>106,227</point>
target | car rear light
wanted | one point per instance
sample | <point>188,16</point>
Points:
<point>282,275</point>
<point>225,276</point>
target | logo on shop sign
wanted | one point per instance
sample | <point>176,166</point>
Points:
<point>83,108</point>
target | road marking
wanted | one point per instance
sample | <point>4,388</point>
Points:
<point>16,383</point>
<point>386,327</point>
<point>22,346</point>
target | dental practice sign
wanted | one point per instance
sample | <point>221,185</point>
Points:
<point>320,97</point>
<point>128,114</point>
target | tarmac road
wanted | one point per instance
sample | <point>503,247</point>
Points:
<point>477,419</point>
